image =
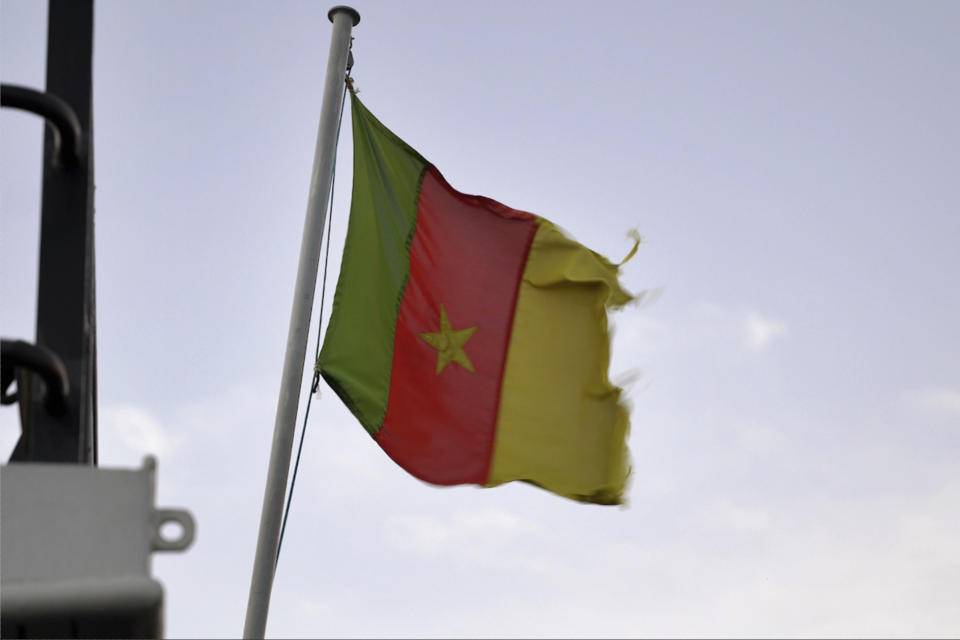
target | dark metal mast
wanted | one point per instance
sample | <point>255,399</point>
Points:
<point>59,415</point>
<point>77,539</point>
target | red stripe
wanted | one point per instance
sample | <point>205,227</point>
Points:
<point>468,253</point>
<point>521,267</point>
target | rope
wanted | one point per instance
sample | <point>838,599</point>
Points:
<point>316,367</point>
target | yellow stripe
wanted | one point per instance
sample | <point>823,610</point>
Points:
<point>561,423</point>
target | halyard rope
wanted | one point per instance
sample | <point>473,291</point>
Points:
<point>316,367</point>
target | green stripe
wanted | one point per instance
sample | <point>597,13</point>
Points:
<point>357,350</point>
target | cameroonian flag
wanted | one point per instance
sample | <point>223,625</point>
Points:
<point>470,339</point>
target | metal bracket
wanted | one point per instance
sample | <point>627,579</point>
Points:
<point>76,550</point>
<point>159,518</point>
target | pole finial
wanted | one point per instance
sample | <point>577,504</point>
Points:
<point>354,15</point>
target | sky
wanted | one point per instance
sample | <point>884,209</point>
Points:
<point>794,376</point>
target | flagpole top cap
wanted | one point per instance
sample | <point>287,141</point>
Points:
<point>345,9</point>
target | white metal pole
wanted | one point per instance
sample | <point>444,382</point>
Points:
<point>264,564</point>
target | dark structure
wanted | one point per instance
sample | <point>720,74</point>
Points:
<point>77,540</point>
<point>56,377</point>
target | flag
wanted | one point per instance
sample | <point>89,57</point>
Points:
<point>470,339</point>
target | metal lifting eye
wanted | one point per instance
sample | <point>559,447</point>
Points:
<point>185,526</point>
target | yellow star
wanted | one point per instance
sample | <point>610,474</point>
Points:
<point>449,343</point>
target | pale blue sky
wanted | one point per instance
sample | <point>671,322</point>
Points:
<point>794,169</point>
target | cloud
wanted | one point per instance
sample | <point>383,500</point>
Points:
<point>137,430</point>
<point>877,568</point>
<point>938,400</point>
<point>429,535</point>
<point>761,331</point>
<point>728,517</point>
<point>707,325</point>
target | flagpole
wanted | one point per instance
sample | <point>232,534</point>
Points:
<point>264,564</point>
